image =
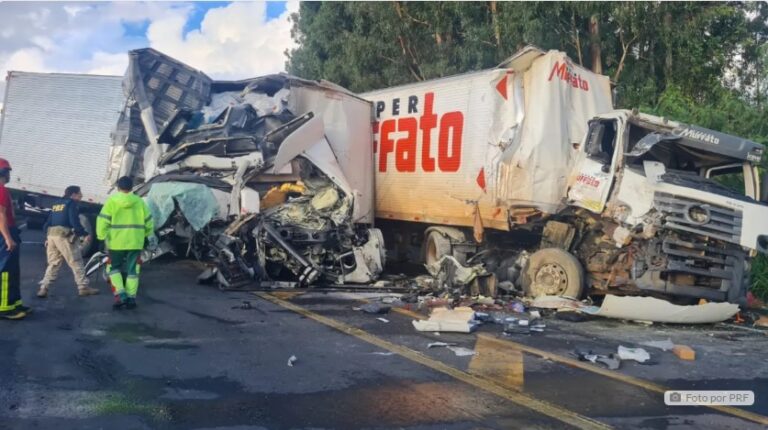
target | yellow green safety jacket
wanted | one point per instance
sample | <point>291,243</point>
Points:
<point>124,222</point>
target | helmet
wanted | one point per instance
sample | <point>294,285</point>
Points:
<point>4,164</point>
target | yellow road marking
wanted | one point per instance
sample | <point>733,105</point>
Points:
<point>409,313</point>
<point>542,407</point>
<point>760,419</point>
<point>503,364</point>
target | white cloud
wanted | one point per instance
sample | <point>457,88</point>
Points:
<point>233,42</point>
<point>26,59</point>
<point>104,63</point>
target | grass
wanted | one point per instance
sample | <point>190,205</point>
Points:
<point>118,404</point>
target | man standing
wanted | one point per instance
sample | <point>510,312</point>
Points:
<point>62,229</point>
<point>10,269</point>
<point>124,223</point>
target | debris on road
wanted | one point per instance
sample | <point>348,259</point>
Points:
<point>684,352</point>
<point>383,353</point>
<point>556,302</point>
<point>610,360</point>
<point>292,360</point>
<point>384,320</point>
<point>460,320</point>
<point>664,345</point>
<point>638,354</point>
<point>572,315</point>
<point>460,351</point>
<point>439,344</point>
<point>657,310</point>
<point>761,322</point>
<point>375,308</point>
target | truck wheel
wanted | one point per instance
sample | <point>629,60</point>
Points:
<point>553,272</point>
<point>435,247</point>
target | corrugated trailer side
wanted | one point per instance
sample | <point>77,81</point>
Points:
<point>56,130</point>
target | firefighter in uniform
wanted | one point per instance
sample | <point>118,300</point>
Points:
<point>10,269</point>
<point>63,229</point>
<point>125,223</point>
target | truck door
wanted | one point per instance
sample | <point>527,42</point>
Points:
<point>595,170</point>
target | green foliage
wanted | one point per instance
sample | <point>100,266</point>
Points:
<point>704,63</point>
<point>760,277</point>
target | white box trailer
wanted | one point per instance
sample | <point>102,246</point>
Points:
<point>56,130</point>
<point>495,139</point>
<point>530,159</point>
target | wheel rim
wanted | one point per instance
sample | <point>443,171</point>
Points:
<point>551,279</point>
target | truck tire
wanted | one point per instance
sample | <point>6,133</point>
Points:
<point>436,245</point>
<point>553,272</point>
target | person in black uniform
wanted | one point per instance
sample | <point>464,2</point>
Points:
<point>63,229</point>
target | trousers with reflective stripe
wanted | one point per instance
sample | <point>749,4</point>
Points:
<point>10,274</point>
<point>124,268</point>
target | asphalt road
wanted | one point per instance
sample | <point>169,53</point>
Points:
<point>191,357</point>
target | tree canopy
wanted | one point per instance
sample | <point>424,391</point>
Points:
<point>696,62</point>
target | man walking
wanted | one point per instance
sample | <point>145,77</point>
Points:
<point>63,229</point>
<point>124,223</point>
<point>10,269</point>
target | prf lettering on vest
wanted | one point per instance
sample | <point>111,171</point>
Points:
<point>409,130</point>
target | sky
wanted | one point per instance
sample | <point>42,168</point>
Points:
<point>226,40</point>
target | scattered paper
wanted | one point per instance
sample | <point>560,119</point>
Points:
<point>384,320</point>
<point>292,360</point>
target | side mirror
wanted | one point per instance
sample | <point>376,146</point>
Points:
<point>594,139</point>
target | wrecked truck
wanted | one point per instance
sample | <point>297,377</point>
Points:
<point>524,177</point>
<point>268,178</point>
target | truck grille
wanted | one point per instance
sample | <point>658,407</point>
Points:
<point>703,248</point>
<point>692,216</point>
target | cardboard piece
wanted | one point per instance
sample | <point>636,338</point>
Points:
<point>459,320</point>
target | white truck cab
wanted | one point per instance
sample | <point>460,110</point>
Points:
<point>679,202</point>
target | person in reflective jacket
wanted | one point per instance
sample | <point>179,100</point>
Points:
<point>124,224</point>
<point>11,306</point>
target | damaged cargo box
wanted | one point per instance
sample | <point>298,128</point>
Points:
<point>270,178</point>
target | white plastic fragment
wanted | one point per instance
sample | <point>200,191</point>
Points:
<point>439,344</point>
<point>657,310</point>
<point>461,351</point>
<point>664,345</point>
<point>638,354</point>
<point>292,360</point>
<point>384,320</point>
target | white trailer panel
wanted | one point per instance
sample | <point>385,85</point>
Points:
<point>55,131</point>
<point>487,141</point>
